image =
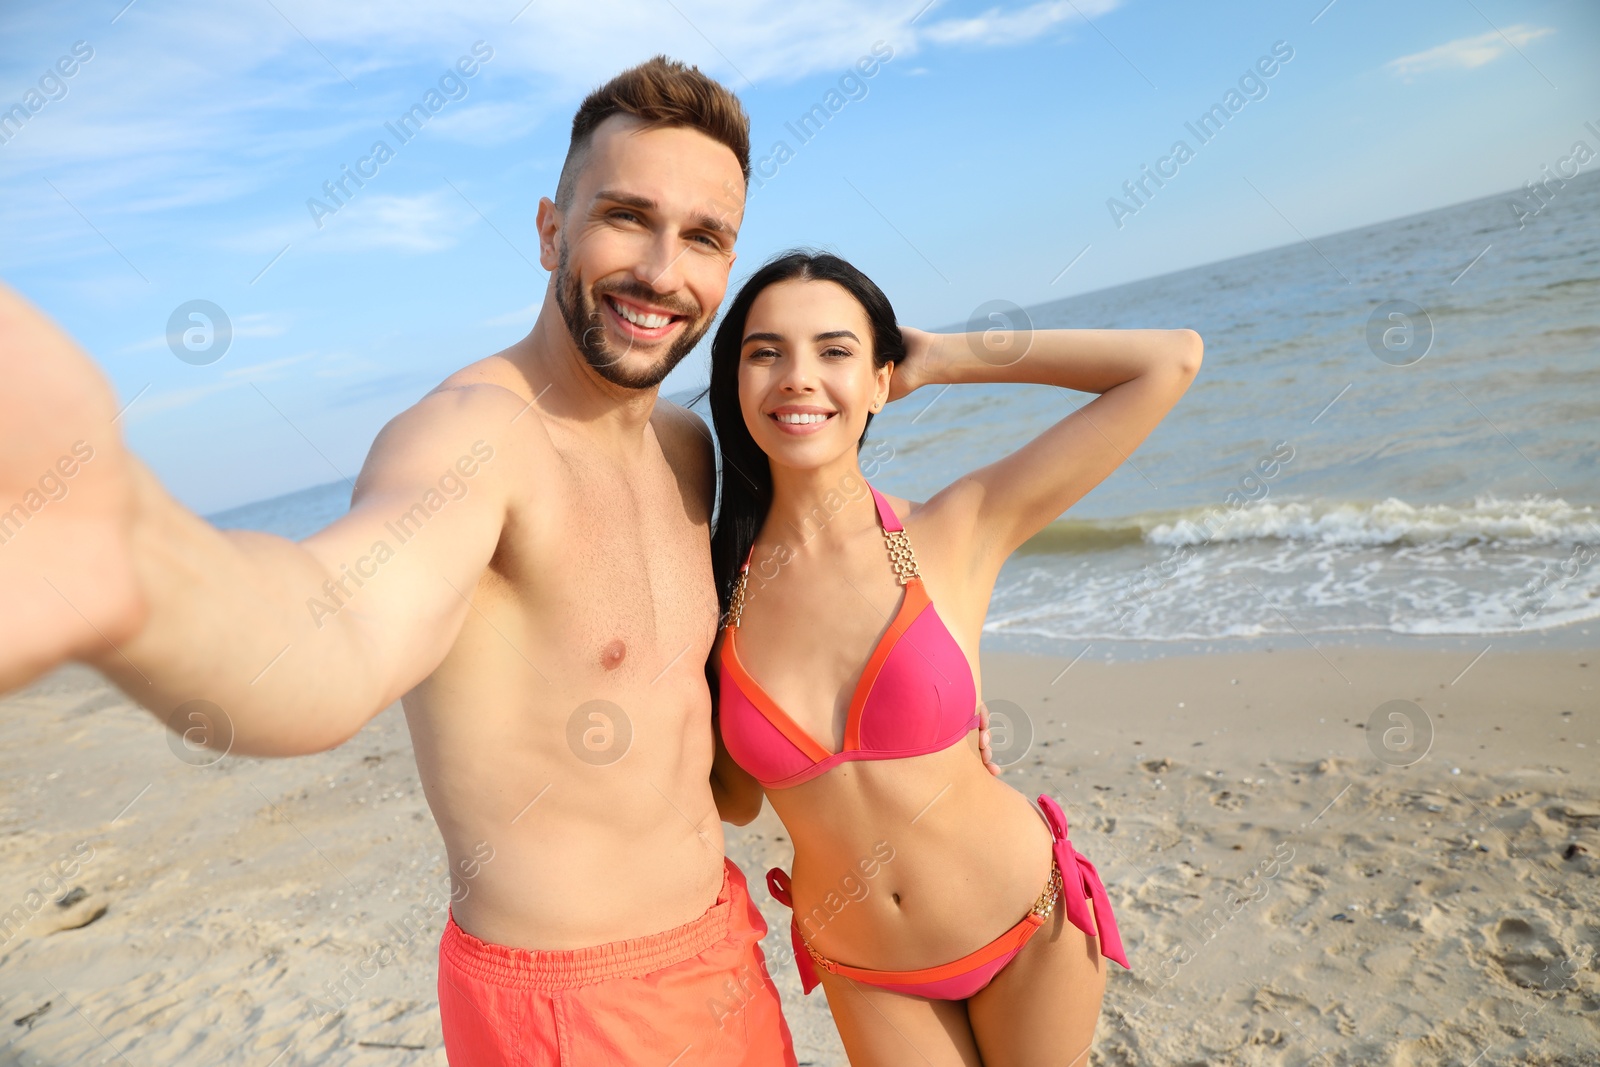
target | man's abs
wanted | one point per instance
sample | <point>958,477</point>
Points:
<point>555,845</point>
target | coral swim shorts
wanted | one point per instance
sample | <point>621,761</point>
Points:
<point>695,995</point>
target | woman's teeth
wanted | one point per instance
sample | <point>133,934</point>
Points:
<point>649,322</point>
<point>801,420</point>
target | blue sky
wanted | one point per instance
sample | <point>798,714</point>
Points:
<point>175,164</point>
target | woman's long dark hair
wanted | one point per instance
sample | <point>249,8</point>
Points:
<point>746,482</point>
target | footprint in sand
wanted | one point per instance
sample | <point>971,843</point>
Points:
<point>74,911</point>
<point>1227,800</point>
<point>1528,957</point>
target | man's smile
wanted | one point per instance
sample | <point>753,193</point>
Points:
<point>638,321</point>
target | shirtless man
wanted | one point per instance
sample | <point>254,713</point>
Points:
<point>525,565</point>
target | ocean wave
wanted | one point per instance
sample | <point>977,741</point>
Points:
<point>1533,520</point>
<point>1085,535</point>
<point>1265,587</point>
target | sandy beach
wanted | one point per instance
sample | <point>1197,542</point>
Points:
<point>1286,895</point>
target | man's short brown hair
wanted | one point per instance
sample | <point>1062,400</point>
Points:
<point>658,92</point>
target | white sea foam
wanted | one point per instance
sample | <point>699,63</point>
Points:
<point>1533,520</point>
<point>1292,567</point>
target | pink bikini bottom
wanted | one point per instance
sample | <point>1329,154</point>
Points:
<point>964,977</point>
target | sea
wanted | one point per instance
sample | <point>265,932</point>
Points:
<point>1393,436</point>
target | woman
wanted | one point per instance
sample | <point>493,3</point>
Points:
<point>947,920</point>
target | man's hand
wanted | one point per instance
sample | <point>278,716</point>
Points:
<point>984,748</point>
<point>98,563</point>
<point>66,502</point>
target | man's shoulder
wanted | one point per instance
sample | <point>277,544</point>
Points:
<point>477,401</point>
<point>486,386</point>
<point>687,445</point>
<point>493,389</point>
<point>683,434</point>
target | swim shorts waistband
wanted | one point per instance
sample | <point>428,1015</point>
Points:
<point>571,968</point>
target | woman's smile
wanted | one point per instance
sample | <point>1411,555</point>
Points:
<point>801,419</point>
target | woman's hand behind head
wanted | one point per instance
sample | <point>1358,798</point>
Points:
<point>915,370</point>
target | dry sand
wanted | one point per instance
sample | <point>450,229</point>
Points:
<point>1286,896</point>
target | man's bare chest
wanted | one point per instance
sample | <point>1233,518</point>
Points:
<point>614,575</point>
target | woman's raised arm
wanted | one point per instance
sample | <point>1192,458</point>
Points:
<point>1139,374</point>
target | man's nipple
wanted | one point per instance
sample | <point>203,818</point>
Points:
<point>612,655</point>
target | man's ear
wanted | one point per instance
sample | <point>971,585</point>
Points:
<point>549,223</point>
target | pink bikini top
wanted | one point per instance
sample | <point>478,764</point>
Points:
<point>915,695</point>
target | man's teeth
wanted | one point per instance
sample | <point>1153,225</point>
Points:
<point>800,420</point>
<point>649,322</point>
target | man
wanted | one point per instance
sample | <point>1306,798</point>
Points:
<point>525,565</point>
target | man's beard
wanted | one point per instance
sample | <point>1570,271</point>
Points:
<point>581,312</point>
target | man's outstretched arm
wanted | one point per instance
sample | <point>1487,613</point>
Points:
<point>298,643</point>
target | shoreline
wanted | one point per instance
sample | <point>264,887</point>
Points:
<point>1572,636</point>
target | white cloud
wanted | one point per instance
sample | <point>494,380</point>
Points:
<point>490,123</point>
<point>520,317</point>
<point>182,110</point>
<point>154,404</point>
<point>263,371</point>
<point>182,86</point>
<point>1466,53</point>
<point>254,325</point>
<point>429,222</point>
<point>998,27</point>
